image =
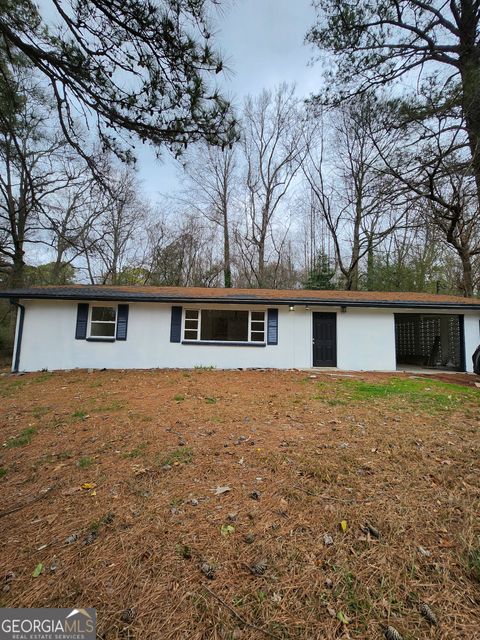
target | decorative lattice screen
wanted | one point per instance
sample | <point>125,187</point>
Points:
<point>428,340</point>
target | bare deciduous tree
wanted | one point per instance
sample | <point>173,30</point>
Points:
<point>377,42</point>
<point>355,197</point>
<point>122,216</point>
<point>211,185</point>
<point>427,161</point>
<point>31,156</point>
<point>181,255</point>
<point>275,142</point>
<point>68,218</point>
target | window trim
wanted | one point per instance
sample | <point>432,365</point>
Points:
<point>236,343</point>
<point>112,338</point>
<point>223,343</point>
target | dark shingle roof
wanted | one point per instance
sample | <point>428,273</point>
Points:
<point>258,296</point>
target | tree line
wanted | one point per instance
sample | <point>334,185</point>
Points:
<point>301,199</point>
<point>373,184</point>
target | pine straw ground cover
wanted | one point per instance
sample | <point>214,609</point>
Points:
<point>298,453</point>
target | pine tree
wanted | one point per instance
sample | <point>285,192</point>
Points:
<point>321,274</point>
<point>137,70</point>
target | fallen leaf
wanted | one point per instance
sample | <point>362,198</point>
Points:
<point>138,470</point>
<point>446,544</point>
<point>219,490</point>
<point>226,529</point>
<point>342,617</point>
<point>38,570</point>
<point>343,525</point>
<point>88,485</point>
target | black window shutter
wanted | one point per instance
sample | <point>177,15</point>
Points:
<point>122,321</point>
<point>272,326</point>
<point>176,325</point>
<point>82,321</point>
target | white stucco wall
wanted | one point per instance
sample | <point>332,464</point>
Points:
<point>472,337</point>
<point>49,342</point>
<point>365,340</point>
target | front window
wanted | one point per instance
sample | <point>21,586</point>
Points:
<point>103,322</point>
<point>219,325</point>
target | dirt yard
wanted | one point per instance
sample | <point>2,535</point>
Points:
<point>241,505</point>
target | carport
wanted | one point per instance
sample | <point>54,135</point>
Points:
<point>433,341</point>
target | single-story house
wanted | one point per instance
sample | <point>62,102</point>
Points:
<point>65,327</point>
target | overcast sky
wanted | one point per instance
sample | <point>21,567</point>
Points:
<point>262,44</point>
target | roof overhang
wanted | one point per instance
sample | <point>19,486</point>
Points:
<point>125,296</point>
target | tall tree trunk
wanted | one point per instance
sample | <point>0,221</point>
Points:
<point>262,240</point>
<point>469,65</point>
<point>370,265</point>
<point>467,277</point>
<point>227,267</point>
<point>57,266</point>
<point>17,274</point>
<point>261,263</point>
<point>353,279</point>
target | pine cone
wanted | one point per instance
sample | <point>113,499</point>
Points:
<point>427,613</point>
<point>207,570</point>
<point>259,568</point>
<point>392,634</point>
<point>368,528</point>
<point>90,538</point>
<point>128,615</point>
